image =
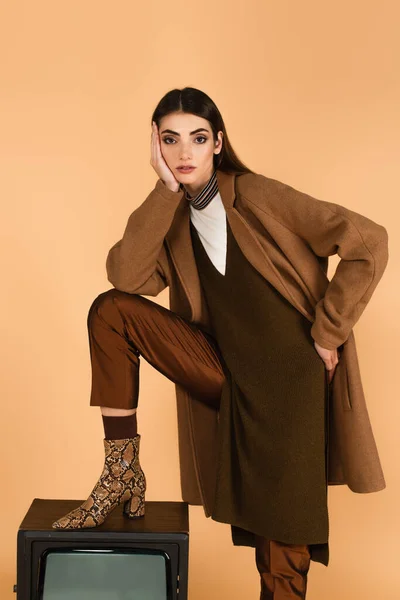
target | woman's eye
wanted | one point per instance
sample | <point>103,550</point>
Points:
<point>202,137</point>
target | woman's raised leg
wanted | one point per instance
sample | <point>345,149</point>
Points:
<point>122,327</point>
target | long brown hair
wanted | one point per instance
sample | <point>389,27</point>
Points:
<point>194,101</point>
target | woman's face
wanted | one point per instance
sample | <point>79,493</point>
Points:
<point>186,139</point>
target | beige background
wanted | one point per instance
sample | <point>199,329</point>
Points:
<point>310,95</point>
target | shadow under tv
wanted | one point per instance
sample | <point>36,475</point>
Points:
<point>123,559</point>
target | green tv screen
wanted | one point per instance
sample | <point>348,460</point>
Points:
<point>104,575</point>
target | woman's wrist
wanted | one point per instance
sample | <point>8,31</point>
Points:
<point>173,186</point>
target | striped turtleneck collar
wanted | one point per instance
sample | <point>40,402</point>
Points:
<point>204,197</point>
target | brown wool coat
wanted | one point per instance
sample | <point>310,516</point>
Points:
<point>287,236</point>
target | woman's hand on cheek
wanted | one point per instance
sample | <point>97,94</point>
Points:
<point>330,358</point>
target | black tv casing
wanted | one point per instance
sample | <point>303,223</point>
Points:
<point>163,529</point>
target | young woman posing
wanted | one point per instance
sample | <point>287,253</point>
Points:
<point>236,342</point>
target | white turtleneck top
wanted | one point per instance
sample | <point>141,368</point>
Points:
<point>208,215</point>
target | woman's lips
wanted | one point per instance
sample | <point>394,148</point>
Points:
<point>182,170</point>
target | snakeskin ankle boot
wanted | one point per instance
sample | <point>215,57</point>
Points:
<point>122,480</point>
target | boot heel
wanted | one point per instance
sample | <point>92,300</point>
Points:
<point>134,507</point>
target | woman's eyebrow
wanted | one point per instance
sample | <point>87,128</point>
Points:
<point>191,133</point>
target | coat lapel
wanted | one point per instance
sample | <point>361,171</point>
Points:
<point>179,242</point>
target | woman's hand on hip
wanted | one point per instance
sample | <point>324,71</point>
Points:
<point>330,358</point>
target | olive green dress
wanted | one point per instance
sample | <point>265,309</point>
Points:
<point>273,420</point>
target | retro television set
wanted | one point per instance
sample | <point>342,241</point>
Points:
<point>122,559</point>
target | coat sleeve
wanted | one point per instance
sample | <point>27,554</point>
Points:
<point>138,262</point>
<point>330,228</point>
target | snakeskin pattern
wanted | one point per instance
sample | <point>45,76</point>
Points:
<point>122,480</point>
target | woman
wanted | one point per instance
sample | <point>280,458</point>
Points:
<point>256,359</point>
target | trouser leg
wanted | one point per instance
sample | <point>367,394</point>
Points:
<point>283,569</point>
<point>123,326</point>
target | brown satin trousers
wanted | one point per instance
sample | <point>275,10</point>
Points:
<point>122,327</point>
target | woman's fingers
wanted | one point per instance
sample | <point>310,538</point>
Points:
<point>330,358</point>
<point>153,159</point>
<point>331,373</point>
<point>158,162</point>
<point>331,365</point>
